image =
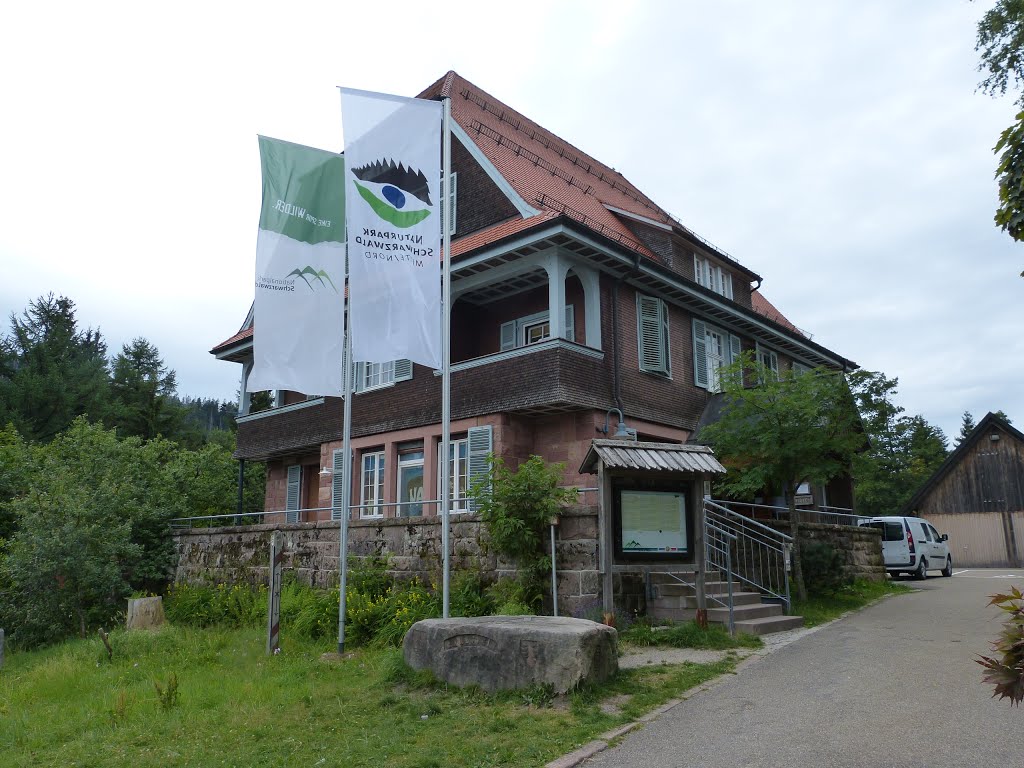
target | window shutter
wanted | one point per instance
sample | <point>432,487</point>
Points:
<point>651,329</point>
<point>291,501</point>
<point>508,335</point>
<point>728,285</point>
<point>337,486</point>
<point>698,270</point>
<point>357,372</point>
<point>570,323</point>
<point>700,353</point>
<point>448,212</point>
<point>480,447</point>
<point>403,370</point>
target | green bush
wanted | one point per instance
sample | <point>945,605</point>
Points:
<point>517,508</point>
<point>824,568</point>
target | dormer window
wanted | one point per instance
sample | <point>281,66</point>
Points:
<point>710,275</point>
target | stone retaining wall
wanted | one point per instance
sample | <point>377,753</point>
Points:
<point>860,546</point>
<point>413,545</point>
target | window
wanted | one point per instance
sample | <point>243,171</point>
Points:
<point>534,329</point>
<point>292,493</point>
<point>713,349</point>
<point>769,360</point>
<point>458,474</point>
<point>410,483</point>
<point>376,375</point>
<point>799,368</point>
<point>712,276</point>
<point>373,484</point>
<point>652,334</point>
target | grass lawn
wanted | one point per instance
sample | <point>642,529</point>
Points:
<point>822,609</point>
<point>234,706</point>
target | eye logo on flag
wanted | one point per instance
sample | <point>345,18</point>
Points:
<point>398,195</point>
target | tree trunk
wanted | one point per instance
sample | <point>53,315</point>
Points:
<point>794,531</point>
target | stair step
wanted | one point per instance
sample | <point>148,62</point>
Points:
<point>678,588</point>
<point>769,624</point>
<point>671,613</point>
<point>744,612</point>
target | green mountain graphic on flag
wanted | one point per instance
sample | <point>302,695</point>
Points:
<point>317,276</point>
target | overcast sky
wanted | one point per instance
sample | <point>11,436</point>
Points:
<point>839,149</point>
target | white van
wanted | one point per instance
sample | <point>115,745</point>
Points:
<point>911,545</point>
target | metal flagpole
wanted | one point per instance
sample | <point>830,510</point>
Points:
<point>446,373</point>
<point>346,466</point>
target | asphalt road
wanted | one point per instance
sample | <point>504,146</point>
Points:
<point>892,686</point>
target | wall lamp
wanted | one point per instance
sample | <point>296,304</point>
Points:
<point>622,432</point>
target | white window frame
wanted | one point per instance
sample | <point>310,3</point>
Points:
<point>460,488</point>
<point>524,324</point>
<point>769,359</point>
<point>371,507</point>
<point>413,459</point>
<point>712,276</point>
<point>377,375</point>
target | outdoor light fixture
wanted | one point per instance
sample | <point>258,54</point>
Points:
<point>622,432</point>
<point>326,472</point>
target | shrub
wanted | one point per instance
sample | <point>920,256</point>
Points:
<point>517,508</point>
<point>823,567</point>
<point>1006,669</point>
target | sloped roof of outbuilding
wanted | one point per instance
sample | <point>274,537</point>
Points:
<point>653,457</point>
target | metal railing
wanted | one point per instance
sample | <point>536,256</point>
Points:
<point>826,515</point>
<point>719,543</point>
<point>758,556</point>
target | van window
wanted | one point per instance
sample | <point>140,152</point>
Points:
<point>890,531</point>
<point>926,532</point>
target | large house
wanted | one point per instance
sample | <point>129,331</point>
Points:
<point>576,298</point>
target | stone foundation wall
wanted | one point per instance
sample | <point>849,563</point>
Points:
<point>413,546</point>
<point>860,547</point>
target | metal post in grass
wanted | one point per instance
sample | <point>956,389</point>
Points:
<point>554,569</point>
<point>1,649</point>
<point>274,594</point>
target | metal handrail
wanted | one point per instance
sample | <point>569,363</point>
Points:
<point>824,515</point>
<point>762,554</point>
<point>718,544</point>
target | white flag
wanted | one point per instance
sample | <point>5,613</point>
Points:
<point>393,179</point>
<point>300,271</point>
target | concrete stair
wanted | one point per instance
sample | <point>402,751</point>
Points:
<point>751,612</point>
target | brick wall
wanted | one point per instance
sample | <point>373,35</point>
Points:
<point>479,201</point>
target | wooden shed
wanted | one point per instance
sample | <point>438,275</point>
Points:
<point>977,497</point>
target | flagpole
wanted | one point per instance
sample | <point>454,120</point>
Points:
<point>446,374</point>
<point>346,467</point>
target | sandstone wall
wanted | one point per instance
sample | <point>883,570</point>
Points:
<point>413,547</point>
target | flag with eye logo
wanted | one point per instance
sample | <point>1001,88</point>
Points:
<point>393,179</point>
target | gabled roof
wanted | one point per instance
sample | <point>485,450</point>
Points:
<point>552,174</point>
<point>984,428</point>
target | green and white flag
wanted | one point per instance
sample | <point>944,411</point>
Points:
<point>300,271</point>
<point>393,166</point>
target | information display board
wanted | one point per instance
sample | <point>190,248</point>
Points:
<point>653,521</point>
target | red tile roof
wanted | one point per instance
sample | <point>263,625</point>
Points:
<point>762,306</point>
<point>551,175</point>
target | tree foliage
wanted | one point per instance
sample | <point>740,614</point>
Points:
<point>785,430</point>
<point>51,371</point>
<point>1000,42</point>
<point>903,451</point>
<point>143,388</point>
<point>517,507</point>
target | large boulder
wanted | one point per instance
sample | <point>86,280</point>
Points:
<point>510,652</point>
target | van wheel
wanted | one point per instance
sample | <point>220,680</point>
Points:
<point>948,570</point>
<point>922,570</point>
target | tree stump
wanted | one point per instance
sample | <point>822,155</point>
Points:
<point>145,613</point>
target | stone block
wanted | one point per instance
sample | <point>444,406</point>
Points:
<point>513,652</point>
<point>145,613</point>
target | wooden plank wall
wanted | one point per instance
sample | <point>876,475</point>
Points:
<point>976,539</point>
<point>988,478</point>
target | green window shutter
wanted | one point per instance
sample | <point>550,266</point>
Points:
<point>570,323</point>
<point>508,336</point>
<point>338,465</point>
<point>481,444</point>
<point>403,370</point>
<point>652,326</point>
<point>291,500</point>
<point>700,353</point>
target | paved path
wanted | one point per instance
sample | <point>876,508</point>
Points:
<point>892,686</point>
